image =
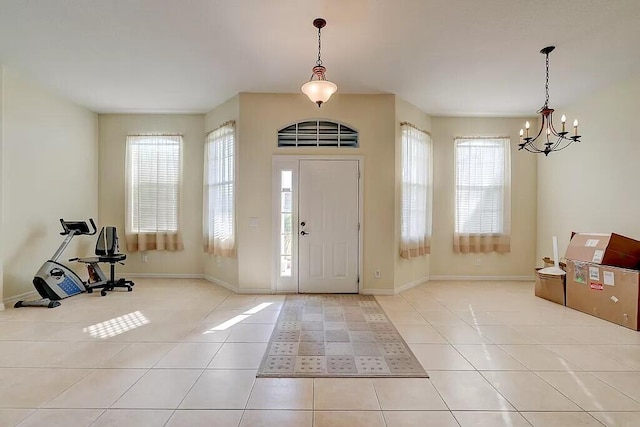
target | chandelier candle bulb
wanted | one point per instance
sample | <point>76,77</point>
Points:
<point>575,127</point>
<point>563,119</point>
<point>527,126</point>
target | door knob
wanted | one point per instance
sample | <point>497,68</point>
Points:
<point>303,233</point>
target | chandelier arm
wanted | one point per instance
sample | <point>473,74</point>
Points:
<point>555,147</point>
<point>552,127</point>
<point>560,149</point>
<point>531,142</point>
<point>532,148</point>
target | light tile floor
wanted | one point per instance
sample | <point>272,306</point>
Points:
<point>185,353</point>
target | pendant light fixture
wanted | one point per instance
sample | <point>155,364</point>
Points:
<point>552,140</point>
<point>320,89</point>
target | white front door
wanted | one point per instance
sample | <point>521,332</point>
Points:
<point>328,226</point>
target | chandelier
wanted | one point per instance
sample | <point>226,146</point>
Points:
<point>552,139</point>
<point>320,89</point>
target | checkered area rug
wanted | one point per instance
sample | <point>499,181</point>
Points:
<point>336,336</point>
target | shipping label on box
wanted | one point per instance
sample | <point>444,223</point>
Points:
<point>598,255</point>
<point>580,272</point>
<point>594,279</point>
<point>609,278</point>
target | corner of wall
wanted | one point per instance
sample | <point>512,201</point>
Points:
<point>1,186</point>
<point>223,271</point>
<point>412,272</point>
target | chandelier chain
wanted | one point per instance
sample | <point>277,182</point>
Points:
<point>319,61</point>
<point>546,86</point>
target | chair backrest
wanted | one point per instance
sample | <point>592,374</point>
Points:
<point>107,243</point>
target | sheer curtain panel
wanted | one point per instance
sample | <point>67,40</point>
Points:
<point>482,195</point>
<point>219,192</point>
<point>153,188</point>
<point>416,192</point>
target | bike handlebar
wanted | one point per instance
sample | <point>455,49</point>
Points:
<point>78,227</point>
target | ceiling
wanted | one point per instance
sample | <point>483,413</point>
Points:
<point>448,57</point>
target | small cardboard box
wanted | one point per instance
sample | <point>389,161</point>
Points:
<point>605,249</point>
<point>550,287</point>
<point>610,293</point>
<point>548,262</point>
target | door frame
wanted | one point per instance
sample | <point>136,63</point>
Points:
<point>292,163</point>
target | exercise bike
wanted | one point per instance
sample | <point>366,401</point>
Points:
<point>55,281</point>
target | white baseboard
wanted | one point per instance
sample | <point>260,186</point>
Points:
<point>410,285</point>
<point>387,292</point>
<point>164,275</point>
<point>380,292</point>
<point>236,289</point>
<point>222,283</point>
<point>486,278</point>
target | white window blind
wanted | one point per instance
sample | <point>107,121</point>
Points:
<point>219,191</point>
<point>482,194</point>
<point>154,168</point>
<point>416,192</point>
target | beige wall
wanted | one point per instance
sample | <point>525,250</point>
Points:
<point>261,116</point>
<point>593,186</point>
<point>415,270</point>
<point>114,129</point>
<point>50,171</point>
<point>1,187</point>
<point>521,260</point>
<point>223,270</point>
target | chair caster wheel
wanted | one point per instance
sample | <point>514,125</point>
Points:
<point>89,291</point>
<point>103,292</point>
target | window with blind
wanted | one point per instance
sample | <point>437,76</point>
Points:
<point>154,168</point>
<point>482,194</point>
<point>416,192</point>
<point>219,191</point>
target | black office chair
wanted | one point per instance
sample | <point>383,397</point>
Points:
<point>106,252</point>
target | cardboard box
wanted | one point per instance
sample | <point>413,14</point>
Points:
<point>550,287</point>
<point>610,293</point>
<point>605,249</point>
<point>548,262</point>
